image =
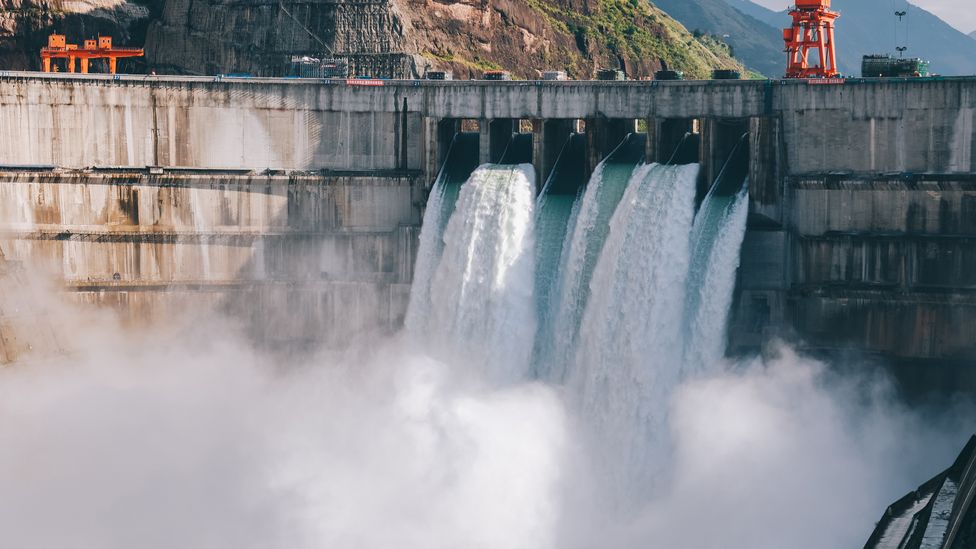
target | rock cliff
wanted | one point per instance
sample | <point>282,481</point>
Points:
<point>259,36</point>
<point>755,42</point>
<point>397,38</point>
<point>386,38</point>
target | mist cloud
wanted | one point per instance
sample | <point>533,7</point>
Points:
<point>197,439</point>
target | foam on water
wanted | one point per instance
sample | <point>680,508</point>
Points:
<point>637,302</point>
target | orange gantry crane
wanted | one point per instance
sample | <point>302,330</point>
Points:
<point>58,48</point>
<point>813,29</point>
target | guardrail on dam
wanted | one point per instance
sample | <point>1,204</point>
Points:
<point>149,193</point>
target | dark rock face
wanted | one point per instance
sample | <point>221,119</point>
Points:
<point>259,37</point>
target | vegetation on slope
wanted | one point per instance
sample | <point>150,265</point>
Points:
<point>755,42</point>
<point>635,29</point>
<point>531,36</point>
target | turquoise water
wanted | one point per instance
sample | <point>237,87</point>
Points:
<point>587,229</point>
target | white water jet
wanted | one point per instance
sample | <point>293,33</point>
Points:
<point>629,352</point>
<point>720,227</point>
<point>428,256</point>
<point>586,234</point>
<point>482,305</point>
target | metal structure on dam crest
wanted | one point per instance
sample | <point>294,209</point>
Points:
<point>147,193</point>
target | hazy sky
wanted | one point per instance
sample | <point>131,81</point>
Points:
<point>958,13</point>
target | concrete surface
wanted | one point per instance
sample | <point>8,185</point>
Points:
<point>158,191</point>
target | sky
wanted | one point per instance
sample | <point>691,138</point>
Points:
<point>958,13</point>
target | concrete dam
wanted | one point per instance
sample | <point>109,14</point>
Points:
<point>158,195</point>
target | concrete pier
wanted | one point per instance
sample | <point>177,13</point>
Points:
<point>143,191</point>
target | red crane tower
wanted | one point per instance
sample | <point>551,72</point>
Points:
<point>813,29</point>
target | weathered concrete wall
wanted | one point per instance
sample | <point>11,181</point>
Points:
<point>871,187</point>
<point>912,204</point>
<point>880,126</point>
<point>69,123</point>
<point>884,264</point>
<point>863,125</point>
<point>80,121</point>
<point>929,327</point>
<point>259,246</point>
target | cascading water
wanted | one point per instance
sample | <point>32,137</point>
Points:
<point>555,209</point>
<point>440,205</point>
<point>716,240</point>
<point>627,358</point>
<point>553,215</point>
<point>641,283</point>
<point>586,232</point>
<point>457,168</point>
<point>481,297</point>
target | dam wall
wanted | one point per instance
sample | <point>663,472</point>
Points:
<point>338,250</point>
<point>923,126</point>
<point>138,123</point>
<point>880,263</point>
<point>148,192</point>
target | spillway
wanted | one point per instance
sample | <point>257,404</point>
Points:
<point>618,292</point>
<point>555,210</point>
<point>586,232</point>
<point>479,306</point>
<point>460,162</point>
<point>627,361</point>
<point>720,226</point>
<point>716,241</point>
